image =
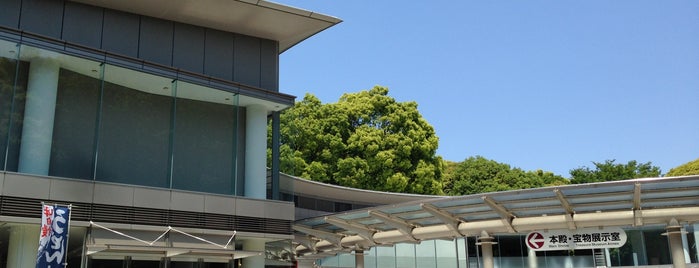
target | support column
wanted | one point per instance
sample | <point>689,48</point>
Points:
<point>359,258</point>
<point>22,247</point>
<point>256,152</point>
<point>255,261</point>
<point>486,243</point>
<point>531,257</point>
<point>39,112</point>
<point>674,234</point>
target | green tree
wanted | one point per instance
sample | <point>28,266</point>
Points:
<point>366,140</point>
<point>689,168</point>
<point>610,171</point>
<point>478,174</point>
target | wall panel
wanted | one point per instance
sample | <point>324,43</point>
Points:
<point>218,58</point>
<point>43,17</point>
<point>83,24</point>
<point>156,41</point>
<point>188,51</point>
<point>9,13</point>
<point>269,60</point>
<point>247,60</point>
<point>121,32</point>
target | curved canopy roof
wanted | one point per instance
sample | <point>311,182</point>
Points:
<point>622,203</point>
<point>287,25</point>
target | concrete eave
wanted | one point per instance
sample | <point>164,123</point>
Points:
<point>263,19</point>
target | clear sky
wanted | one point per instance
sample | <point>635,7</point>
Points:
<point>549,85</point>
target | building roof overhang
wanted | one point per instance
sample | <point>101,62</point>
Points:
<point>285,24</point>
<point>630,203</point>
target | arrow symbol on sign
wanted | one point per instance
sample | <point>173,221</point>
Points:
<point>535,240</point>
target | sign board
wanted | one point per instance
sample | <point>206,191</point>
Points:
<point>53,236</point>
<point>587,238</point>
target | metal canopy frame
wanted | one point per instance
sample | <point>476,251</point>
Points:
<point>627,203</point>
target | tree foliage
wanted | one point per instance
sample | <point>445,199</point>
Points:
<point>689,168</point>
<point>610,171</point>
<point>366,140</point>
<point>478,174</point>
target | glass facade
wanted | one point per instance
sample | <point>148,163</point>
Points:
<point>115,124</point>
<point>645,247</point>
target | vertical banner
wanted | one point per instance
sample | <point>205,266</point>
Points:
<point>53,236</point>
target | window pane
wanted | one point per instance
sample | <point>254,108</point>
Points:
<point>405,255</point>
<point>204,147</point>
<point>386,257</point>
<point>134,133</point>
<point>77,104</point>
<point>446,254</point>
<point>13,85</point>
<point>425,253</point>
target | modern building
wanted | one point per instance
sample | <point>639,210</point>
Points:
<point>150,119</point>
<point>657,218</point>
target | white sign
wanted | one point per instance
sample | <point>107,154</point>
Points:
<point>588,238</point>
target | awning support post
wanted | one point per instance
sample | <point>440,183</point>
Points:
<point>486,242</point>
<point>674,234</point>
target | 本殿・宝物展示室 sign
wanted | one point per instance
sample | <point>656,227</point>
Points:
<point>587,238</point>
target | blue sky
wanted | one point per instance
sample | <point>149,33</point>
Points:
<point>549,85</point>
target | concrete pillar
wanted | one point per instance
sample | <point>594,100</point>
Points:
<point>255,261</point>
<point>256,152</point>
<point>39,112</point>
<point>23,245</point>
<point>486,242</point>
<point>359,258</point>
<point>674,234</point>
<point>531,258</point>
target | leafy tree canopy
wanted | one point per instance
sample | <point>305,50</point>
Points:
<point>689,168</point>
<point>366,140</point>
<point>610,171</point>
<point>478,174</point>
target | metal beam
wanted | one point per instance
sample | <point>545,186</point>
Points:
<point>306,241</point>
<point>637,196</point>
<point>401,225</point>
<point>637,214</point>
<point>330,237</point>
<point>449,219</point>
<point>564,201</point>
<point>360,229</point>
<point>568,208</point>
<point>505,215</point>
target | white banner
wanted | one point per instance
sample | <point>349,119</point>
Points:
<point>588,238</point>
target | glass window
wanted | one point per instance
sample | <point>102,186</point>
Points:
<point>75,121</point>
<point>633,253</point>
<point>13,85</point>
<point>461,252</point>
<point>657,247</point>
<point>386,257</point>
<point>425,254</point>
<point>332,261</point>
<point>692,239</point>
<point>346,260</point>
<point>446,254</point>
<point>134,131</point>
<point>508,251</point>
<point>405,255</point>
<point>370,258</point>
<point>205,139</point>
